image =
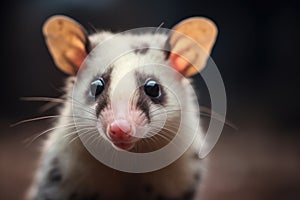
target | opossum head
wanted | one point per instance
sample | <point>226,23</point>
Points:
<point>132,87</point>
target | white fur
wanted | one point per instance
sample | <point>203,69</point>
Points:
<point>82,173</point>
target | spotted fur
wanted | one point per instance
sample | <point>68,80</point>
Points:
<point>68,171</point>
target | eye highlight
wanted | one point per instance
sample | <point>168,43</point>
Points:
<point>152,89</point>
<point>97,87</point>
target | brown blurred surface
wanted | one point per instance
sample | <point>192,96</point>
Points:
<point>248,166</point>
<point>17,159</point>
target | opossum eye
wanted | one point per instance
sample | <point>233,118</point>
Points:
<point>152,89</point>
<point>97,87</point>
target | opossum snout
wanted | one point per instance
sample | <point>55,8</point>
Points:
<point>120,133</point>
<point>120,130</point>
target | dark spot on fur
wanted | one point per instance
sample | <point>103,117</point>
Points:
<point>54,162</point>
<point>142,49</point>
<point>72,81</point>
<point>196,156</point>
<point>166,54</point>
<point>54,175</point>
<point>167,50</point>
<point>144,101</point>
<point>44,196</point>
<point>197,176</point>
<point>88,46</point>
<point>103,101</point>
<point>143,104</point>
<point>103,98</point>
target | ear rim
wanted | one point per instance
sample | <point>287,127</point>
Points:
<point>190,70</point>
<point>207,20</point>
<point>80,34</point>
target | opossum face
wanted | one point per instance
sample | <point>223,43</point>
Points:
<point>136,100</point>
<point>133,99</point>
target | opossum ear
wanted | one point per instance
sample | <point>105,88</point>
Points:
<point>67,42</point>
<point>190,44</point>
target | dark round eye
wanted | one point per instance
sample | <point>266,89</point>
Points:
<point>152,89</point>
<point>97,87</point>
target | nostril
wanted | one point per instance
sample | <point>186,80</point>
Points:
<point>112,132</point>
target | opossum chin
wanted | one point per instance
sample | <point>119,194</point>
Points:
<point>124,146</point>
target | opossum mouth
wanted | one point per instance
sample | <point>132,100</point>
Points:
<point>124,145</point>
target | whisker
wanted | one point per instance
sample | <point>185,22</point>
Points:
<point>54,100</point>
<point>78,102</point>
<point>88,134</point>
<point>212,115</point>
<point>176,110</point>
<point>34,119</point>
<point>88,131</point>
<point>164,137</point>
<point>48,117</point>
<point>67,126</point>
<point>157,29</point>
<point>76,137</point>
<point>83,127</point>
<point>154,140</point>
<point>97,139</point>
<point>166,128</point>
<point>94,136</point>
<point>47,106</point>
<point>170,123</point>
<point>93,113</point>
<point>51,99</point>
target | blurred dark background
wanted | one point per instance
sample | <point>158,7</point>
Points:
<point>256,52</point>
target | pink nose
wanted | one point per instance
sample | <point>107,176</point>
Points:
<point>120,130</point>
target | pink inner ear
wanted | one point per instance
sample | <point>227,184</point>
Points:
<point>76,56</point>
<point>178,62</point>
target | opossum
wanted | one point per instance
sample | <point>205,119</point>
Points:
<point>134,104</point>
